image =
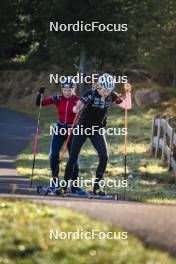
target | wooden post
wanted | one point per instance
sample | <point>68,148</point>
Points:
<point>152,136</point>
<point>173,158</point>
<point>171,149</point>
<point>164,142</point>
<point>168,150</point>
<point>158,137</point>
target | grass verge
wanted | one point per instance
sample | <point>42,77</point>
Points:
<point>24,238</point>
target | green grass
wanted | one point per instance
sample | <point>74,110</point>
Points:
<point>24,239</point>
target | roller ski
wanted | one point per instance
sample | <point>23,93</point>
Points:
<point>77,193</point>
<point>49,191</point>
<point>101,195</point>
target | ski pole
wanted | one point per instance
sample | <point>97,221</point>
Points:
<point>36,140</point>
<point>125,142</point>
<point>68,137</point>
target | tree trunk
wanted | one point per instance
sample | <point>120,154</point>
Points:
<point>82,69</point>
<point>174,77</point>
<point>174,80</point>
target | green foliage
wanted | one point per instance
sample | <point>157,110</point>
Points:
<point>148,45</point>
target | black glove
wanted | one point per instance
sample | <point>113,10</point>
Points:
<point>42,90</point>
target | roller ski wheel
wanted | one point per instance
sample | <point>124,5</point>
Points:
<point>39,189</point>
<point>116,196</point>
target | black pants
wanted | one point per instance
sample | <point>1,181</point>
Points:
<point>99,143</point>
<point>56,145</point>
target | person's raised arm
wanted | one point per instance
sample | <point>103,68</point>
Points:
<point>84,100</point>
<point>126,103</point>
<point>47,101</point>
<point>79,105</point>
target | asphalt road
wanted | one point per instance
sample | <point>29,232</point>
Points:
<point>154,224</point>
<point>15,132</point>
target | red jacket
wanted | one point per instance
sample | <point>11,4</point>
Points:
<point>64,107</point>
